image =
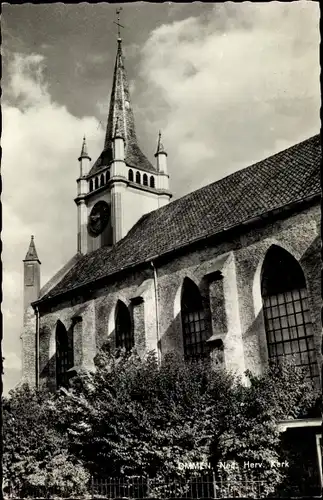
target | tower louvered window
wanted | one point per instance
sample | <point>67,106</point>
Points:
<point>102,180</point>
<point>138,178</point>
<point>130,175</point>
<point>64,354</point>
<point>193,322</point>
<point>145,180</point>
<point>123,327</point>
<point>152,181</point>
<point>286,310</point>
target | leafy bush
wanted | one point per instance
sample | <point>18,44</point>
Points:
<point>131,417</point>
<point>35,456</point>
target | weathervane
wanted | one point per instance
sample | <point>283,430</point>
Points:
<point>118,22</point>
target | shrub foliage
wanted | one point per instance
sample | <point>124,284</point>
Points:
<point>131,417</point>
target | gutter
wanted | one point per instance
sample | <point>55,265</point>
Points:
<point>205,236</point>
<point>159,352</point>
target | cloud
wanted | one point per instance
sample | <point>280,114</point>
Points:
<point>41,142</point>
<point>235,87</point>
<point>27,82</point>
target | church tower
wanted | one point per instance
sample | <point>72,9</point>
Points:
<point>28,337</point>
<point>122,185</point>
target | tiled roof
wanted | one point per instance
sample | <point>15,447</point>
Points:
<point>287,177</point>
<point>121,110</point>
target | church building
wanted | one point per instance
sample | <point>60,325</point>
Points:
<point>229,272</point>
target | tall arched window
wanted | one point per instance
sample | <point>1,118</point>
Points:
<point>138,179</point>
<point>102,180</point>
<point>288,324</point>
<point>130,175</point>
<point>152,181</point>
<point>123,327</point>
<point>91,185</point>
<point>96,183</point>
<point>107,176</point>
<point>64,354</point>
<point>145,180</point>
<point>193,322</point>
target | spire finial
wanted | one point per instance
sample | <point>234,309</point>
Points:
<point>118,23</point>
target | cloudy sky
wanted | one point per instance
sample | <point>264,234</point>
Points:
<point>228,84</point>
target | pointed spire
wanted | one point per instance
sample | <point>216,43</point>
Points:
<point>84,153</point>
<point>160,146</point>
<point>121,109</point>
<point>31,254</point>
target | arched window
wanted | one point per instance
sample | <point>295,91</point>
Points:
<point>91,185</point>
<point>152,181</point>
<point>130,175</point>
<point>96,183</point>
<point>102,180</point>
<point>145,180</point>
<point>288,324</point>
<point>138,180</point>
<point>123,328</point>
<point>64,354</point>
<point>193,323</point>
<point>107,176</point>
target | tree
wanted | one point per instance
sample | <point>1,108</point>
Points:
<point>132,417</point>
<point>35,456</point>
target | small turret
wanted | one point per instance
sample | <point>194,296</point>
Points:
<point>118,143</point>
<point>31,275</point>
<point>84,160</point>
<point>29,338</point>
<point>161,156</point>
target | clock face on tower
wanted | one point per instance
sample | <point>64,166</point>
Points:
<point>98,218</point>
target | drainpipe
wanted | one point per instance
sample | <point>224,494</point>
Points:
<point>37,347</point>
<point>157,312</point>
